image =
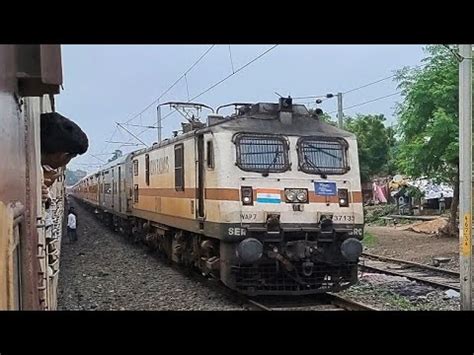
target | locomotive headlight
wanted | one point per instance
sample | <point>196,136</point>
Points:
<point>290,195</point>
<point>249,250</point>
<point>351,249</point>
<point>296,195</point>
<point>302,196</point>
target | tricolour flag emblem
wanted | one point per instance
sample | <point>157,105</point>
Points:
<point>268,196</point>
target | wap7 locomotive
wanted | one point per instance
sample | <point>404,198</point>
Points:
<point>267,199</point>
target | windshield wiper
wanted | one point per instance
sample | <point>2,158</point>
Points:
<point>318,170</point>
<point>277,154</point>
<point>325,152</point>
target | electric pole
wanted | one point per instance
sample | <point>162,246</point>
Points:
<point>340,115</point>
<point>465,175</point>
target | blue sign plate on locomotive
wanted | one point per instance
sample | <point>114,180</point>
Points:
<point>325,188</point>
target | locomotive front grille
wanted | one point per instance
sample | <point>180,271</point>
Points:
<point>273,278</point>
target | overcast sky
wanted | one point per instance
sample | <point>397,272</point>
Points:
<point>104,84</point>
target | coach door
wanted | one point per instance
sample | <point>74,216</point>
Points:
<point>113,189</point>
<point>119,188</point>
<point>100,186</point>
<point>200,176</point>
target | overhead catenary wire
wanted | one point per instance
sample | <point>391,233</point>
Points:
<point>231,61</point>
<point>142,126</point>
<point>323,97</point>
<point>172,85</point>
<point>133,135</point>
<point>225,78</point>
<point>164,93</point>
<point>138,134</point>
<point>367,102</point>
<point>187,85</point>
<point>103,154</point>
<point>100,159</point>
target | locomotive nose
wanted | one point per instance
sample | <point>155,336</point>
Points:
<point>351,249</point>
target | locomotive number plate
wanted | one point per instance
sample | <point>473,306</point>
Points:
<point>325,188</point>
<point>344,218</point>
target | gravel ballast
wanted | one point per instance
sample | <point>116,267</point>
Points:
<point>104,271</point>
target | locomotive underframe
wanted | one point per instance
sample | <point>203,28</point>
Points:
<point>293,262</point>
<point>303,260</point>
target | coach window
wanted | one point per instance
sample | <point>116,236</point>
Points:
<point>179,167</point>
<point>210,155</point>
<point>135,168</point>
<point>135,193</point>
<point>147,169</point>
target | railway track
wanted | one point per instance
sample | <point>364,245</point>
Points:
<point>324,302</point>
<point>411,270</point>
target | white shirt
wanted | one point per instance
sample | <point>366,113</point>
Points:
<point>71,221</point>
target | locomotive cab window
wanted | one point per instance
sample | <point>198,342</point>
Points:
<point>323,155</point>
<point>179,167</point>
<point>210,154</point>
<point>262,153</point>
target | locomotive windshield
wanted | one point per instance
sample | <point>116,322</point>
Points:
<point>262,153</point>
<point>322,155</point>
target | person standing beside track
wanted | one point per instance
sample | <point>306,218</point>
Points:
<point>72,225</point>
<point>442,204</point>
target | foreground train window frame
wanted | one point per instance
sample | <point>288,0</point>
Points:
<point>323,155</point>
<point>265,160</point>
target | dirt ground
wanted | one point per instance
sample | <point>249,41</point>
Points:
<point>408,245</point>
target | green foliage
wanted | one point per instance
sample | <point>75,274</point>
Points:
<point>325,117</point>
<point>369,240</point>
<point>428,117</point>
<point>412,191</point>
<point>376,144</point>
<point>374,213</point>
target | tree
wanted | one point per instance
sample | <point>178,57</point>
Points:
<point>375,143</point>
<point>428,122</point>
<point>327,119</point>
<point>324,117</point>
<point>393,144</point>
